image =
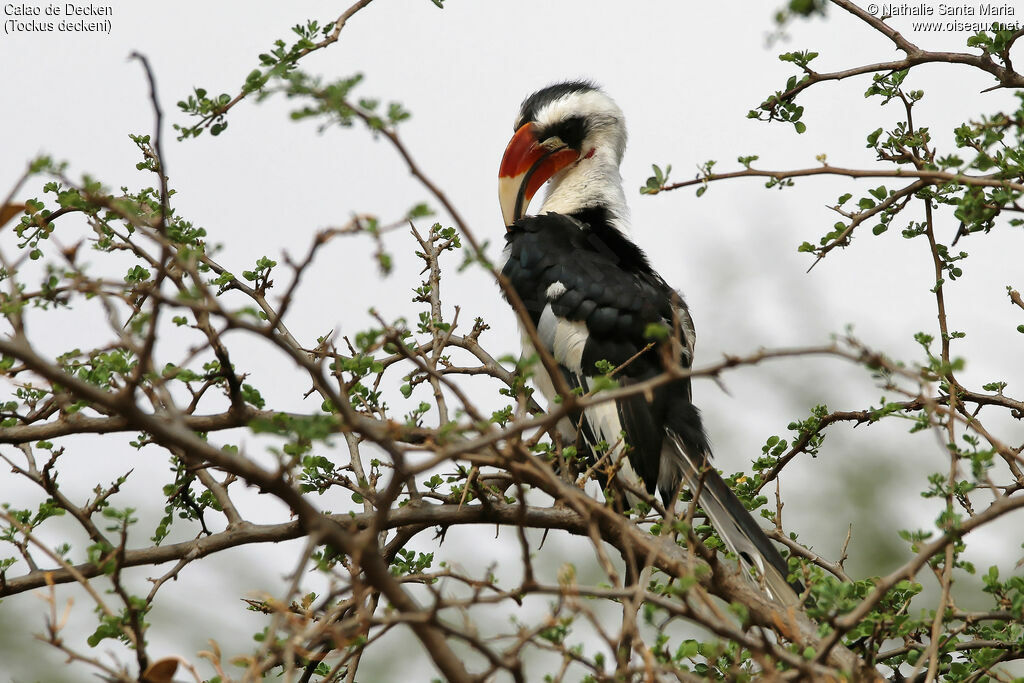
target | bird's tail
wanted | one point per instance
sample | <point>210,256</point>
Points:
<point>733,522</point>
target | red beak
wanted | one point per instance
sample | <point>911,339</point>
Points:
<point>525,167</point>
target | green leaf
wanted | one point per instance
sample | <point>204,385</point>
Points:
<point>656,332</point>
<point>252,396</point>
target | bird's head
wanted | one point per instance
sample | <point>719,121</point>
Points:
<point>559,129</point>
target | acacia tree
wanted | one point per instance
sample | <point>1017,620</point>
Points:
<point>168,373</point>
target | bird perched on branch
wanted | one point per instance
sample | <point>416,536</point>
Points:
<point>595,300</point>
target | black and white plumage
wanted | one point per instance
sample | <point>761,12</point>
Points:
<point>593,296</point>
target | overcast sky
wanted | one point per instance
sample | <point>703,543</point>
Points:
<point>685,74</point>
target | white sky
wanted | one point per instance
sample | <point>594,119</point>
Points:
<point>685,74</point>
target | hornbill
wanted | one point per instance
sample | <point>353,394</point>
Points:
<point>593,296</point>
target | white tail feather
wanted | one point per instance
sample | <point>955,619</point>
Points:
<point>734,524</point>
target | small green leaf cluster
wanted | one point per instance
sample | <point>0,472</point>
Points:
<point>558,632</point>
<point>889,619</point>
<point>316,427</point>
<point>28,519</point>
<point>414,418</point>
<point>1007,595</point>
<point>808,438</point>
<point>209,108</point>
<point>714,660</point>
<point>747,489</point>
<point>502,416</point>
<point>328,102</point>
<point>797,9</point>
<point>117,626</point>
<point>934,366</point>
<point>260,274</point>
<point>318,474</point>
<point>122,517</point>
<point>995,43</point>
<point>801,58</point>
<point>808,432</point>
<point>774,447</point>
<point>182,501</point>
<point>781,106</point>
<point>105,369</point>
<point>887,85</point>
<point>657,332</point>
<point>604,381</point>
<point>747,160</point>
<point>35,226</point>
<point>409,562</point>
<point>656,182</point>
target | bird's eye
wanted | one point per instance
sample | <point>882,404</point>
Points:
<point>571,131</point>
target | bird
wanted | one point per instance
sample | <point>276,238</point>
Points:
<point>596,302</point>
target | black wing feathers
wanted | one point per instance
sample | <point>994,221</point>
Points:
<point>604,281</point>
<point>607,284</point>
